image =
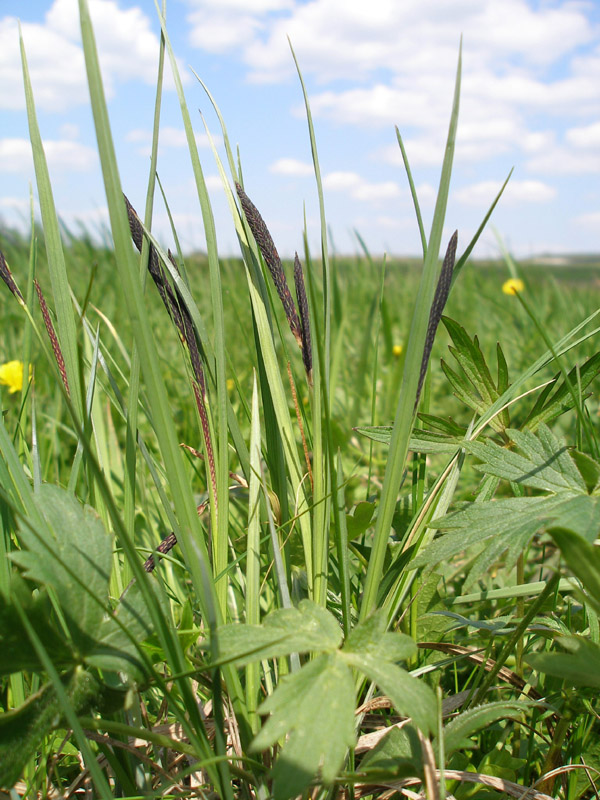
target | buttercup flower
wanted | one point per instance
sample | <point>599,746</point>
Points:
<point>513,286</point>
<point>230,384</point>
<point>11,375</point>
<point>397,350</point>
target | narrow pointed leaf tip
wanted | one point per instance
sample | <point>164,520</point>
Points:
<point>437,308</point>
<point>269,252</point>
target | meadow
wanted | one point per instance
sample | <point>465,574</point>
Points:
<point>334,541</point>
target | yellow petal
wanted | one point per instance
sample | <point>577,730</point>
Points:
<point>513,286</point>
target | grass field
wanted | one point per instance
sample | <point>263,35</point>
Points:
<point>375,500</point>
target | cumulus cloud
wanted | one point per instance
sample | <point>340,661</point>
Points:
<point>291,166</point>
<point>516,193</point>
<point>397,63</point>
<point>590,221</point>
<point>359,188</point>
<point>168,137</point>
<point>127,48</point>
<point>61,155</point>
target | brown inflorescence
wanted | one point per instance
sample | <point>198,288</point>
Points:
<point>8,279</point>
<point>271,256</point>
<point>180,314</point>
<point>304,318</point>
<point>437,308</point>
<point>60,361</point>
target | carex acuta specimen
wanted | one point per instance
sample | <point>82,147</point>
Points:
<point>437,308</point>
<point>299,325</point>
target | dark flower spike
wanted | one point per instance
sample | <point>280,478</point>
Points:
<point>168,543</point>
<point>437,308</point>
<point>304,318</point>
<point>60,361</point>
<point>271,256</point>
<point>8,279</point>
<point>179,312</point>
<point>154,267</point>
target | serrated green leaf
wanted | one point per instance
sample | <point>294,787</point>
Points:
<point>543,462</point>
<point>580,666</point>
<point>23,728</point>
<point>75,560</point>
<point>370,638</point>
<point>509,523</point>
<point>358,522</point>
<point>315,707</point>
<point>583,559</point>
<point>588,469</point>
<point>463,389</point>
<point>114,650</point>
<point>16,651</point>
<point>472,361</point>
<point>562,400</point>
<point>423,441</point>
<point>399,754</point>
<point>503,383</point>
<point>410,696</point>
<point>444,425</point>
<point>378,433</point>
<point>308,628</point>
<point>515,517</point>
<point>458,731</point>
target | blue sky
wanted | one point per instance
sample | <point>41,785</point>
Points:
<point>530,99</point>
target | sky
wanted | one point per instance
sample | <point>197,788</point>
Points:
<point>530,100</point>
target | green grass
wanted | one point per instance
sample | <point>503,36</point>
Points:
<point>438,567</point>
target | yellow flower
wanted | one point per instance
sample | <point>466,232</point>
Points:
<point>397,350</point>
<point>513,286</point>
<point>11,375</point>
<point>230,384</point>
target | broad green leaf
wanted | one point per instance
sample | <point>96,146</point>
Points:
<point>358,522</point>
<point>458,731</point>
<point>583,559</point>
<point>315,709</point>
<point>444,425</point>
<point>467,353</point>
<point>545,410</point>
<point>114,649</point>
<point>23,728</point>
<point>475,387</point>
<point>75,561</point>
<point>410,696</point>
<point>16,651</point>
<point>516,518</point>
<point>421,441</point>
<point>398,754</point>
<point>308,628</point>
<point>588,469</point>
<point>507,526</point>
<point>543,461</point>
<point>580,666</point>
<point>370,638</point>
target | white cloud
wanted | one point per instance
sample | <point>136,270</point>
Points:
<point>359,188</point>
<point>61,155</point>
<point>342,38</point>
<point>168,137</point>
<point>127,48</point>
<point>397,61</point>
<point>516,193</point>
<point>291,166</point>
<point>587,136</point>
<point>561,160</point>
<point>590,221</point>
